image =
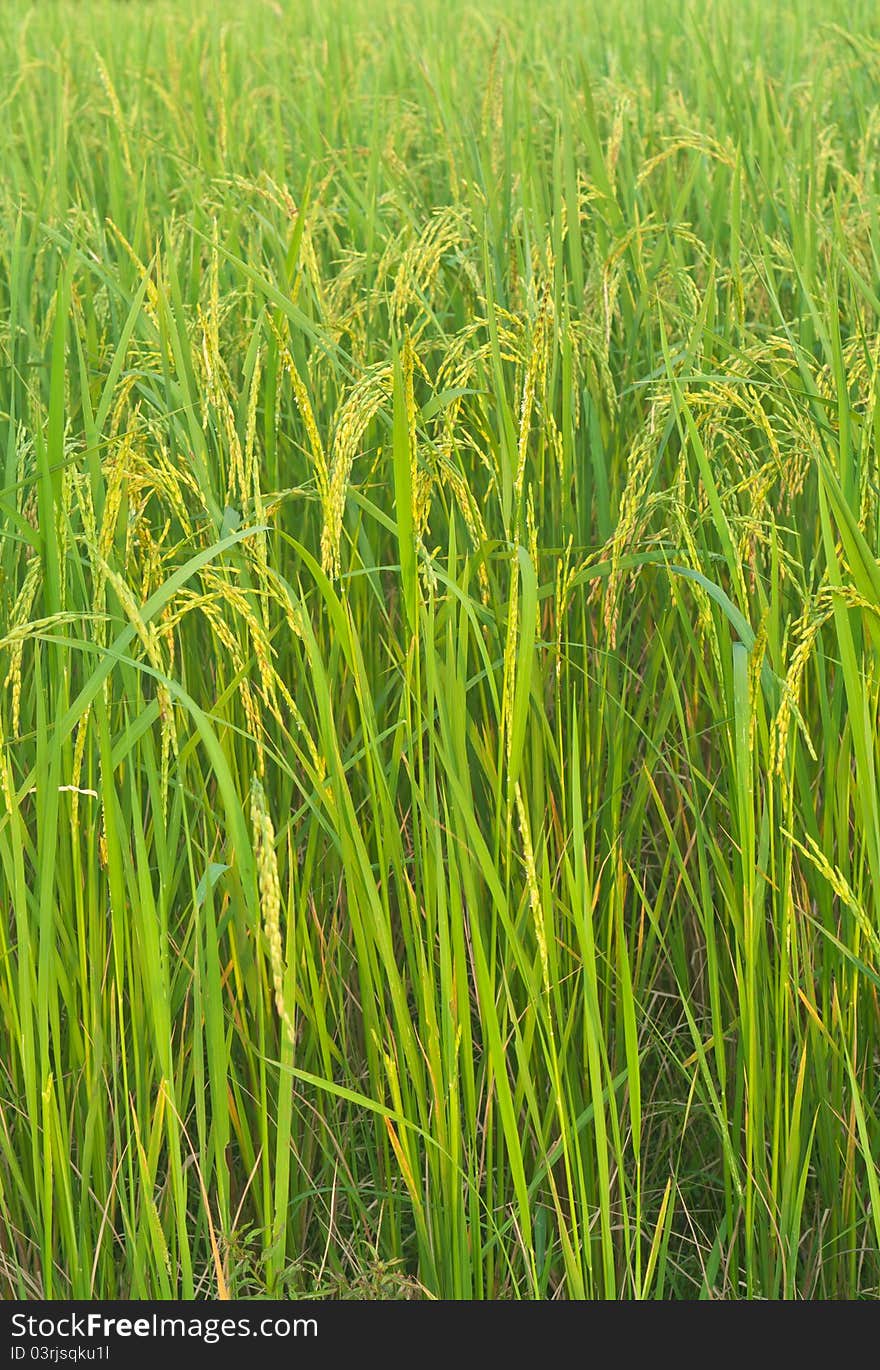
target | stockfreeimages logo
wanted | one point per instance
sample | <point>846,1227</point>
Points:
<point>98,1326</point>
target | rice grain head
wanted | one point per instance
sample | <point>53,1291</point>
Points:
<point>270,897</point>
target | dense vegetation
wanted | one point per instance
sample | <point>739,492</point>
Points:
<point>440,836</point>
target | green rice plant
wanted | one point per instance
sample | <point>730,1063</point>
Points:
<point>439,592</point>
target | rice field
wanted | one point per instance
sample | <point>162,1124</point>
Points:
<point>439,644</point>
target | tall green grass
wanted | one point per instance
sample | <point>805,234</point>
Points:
<point>440,837</point>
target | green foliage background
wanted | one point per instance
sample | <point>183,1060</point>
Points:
<point>440,839</point>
